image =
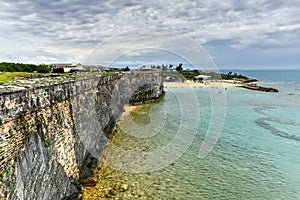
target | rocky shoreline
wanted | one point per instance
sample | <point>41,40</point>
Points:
<point>259,88</point>
<point>106,185</point>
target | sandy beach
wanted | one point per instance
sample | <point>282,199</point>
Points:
<point>127,110</point>
<point>223,83</point>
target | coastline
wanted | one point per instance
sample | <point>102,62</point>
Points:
<point>227,83</point>
<point>224,83</point>
<point>116,186</point>
<point>103,185</point>
<point>127,110</point>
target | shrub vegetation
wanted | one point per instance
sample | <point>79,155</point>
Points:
<point>20,67</point>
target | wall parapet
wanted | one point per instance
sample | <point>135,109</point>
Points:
<point>15,103</point>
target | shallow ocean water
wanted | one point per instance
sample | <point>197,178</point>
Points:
<point>255,157</point>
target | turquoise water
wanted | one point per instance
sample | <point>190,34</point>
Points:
<point>255,157</point>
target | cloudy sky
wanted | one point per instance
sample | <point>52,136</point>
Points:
<point>234,33</point>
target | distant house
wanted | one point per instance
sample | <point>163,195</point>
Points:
<point>201,78</point>
<point>60,67</point>
<point>78,68</point>
<point>67,67</point>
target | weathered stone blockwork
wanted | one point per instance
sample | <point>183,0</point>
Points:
<point>56,134</point>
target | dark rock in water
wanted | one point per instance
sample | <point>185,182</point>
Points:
<point>112,192</point>
<point>263,123</point>
<point>259,88</point>
<point>88,182</point>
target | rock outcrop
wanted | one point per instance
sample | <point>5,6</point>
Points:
<point>259,88</point>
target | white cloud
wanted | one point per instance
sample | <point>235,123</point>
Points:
<point>70,30</point>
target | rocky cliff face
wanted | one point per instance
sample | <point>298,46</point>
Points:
<point>53,136</point>
<point>39,175</point>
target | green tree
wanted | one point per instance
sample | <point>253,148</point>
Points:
<point>20,67</point>
<point>179,68</point>
<point>127,69</point>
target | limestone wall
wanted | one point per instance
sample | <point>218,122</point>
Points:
<point>63,129</point>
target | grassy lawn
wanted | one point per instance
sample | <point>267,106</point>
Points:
<point>9,76</point>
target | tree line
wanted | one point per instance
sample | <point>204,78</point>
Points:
<point>190,74</point>
<point>20,67</point>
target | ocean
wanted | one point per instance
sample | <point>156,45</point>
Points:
<point>253,153</point>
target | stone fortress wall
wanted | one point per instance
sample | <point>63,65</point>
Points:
<point>50,137</point>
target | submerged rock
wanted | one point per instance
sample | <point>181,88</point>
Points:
<point>124,187</point>
<point>259,88</point>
